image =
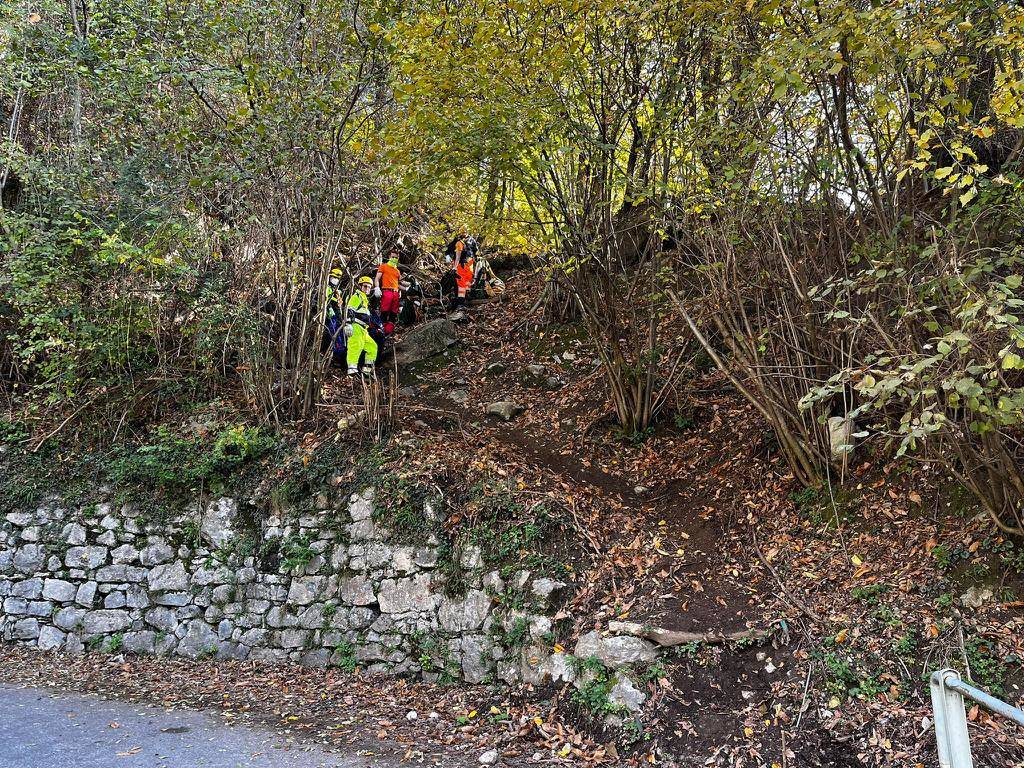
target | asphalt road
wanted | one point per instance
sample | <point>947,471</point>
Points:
<point>42,729</point>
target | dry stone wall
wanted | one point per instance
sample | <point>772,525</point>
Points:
<point>340,590</point>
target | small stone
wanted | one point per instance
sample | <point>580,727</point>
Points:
<point>490,757</point>
<point>975,597</point>
<point>412,715</point>
<point>626,695</point>
<point>504,410</point>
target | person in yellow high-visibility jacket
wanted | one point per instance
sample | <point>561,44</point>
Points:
<point>357,319</point>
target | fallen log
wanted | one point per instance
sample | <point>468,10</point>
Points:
<point>668,638</point>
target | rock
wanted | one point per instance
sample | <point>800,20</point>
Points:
<point>61,591</point>
<point>496,369</point>
<point>624,694</point>
<point>120,574</point>
<point>360,506</point>
<point>31,589</point>
<point>139,642</point>
<point>406,595</point>
<point>306,590</point>
<point>976,596</point>
<point>124,554</point>
<point>156,553</point>
<point>218,521</point>
<point>544,588</point>
<point>106,622</point>
<point>69,619</point>
<point>505,410</point>
<point>115,600</point>
<point>50,638</point>
<point>471,557</point>
<point>86,558</point>
<point>86,594</point>
<point>426,557</point>
<point>465,614</point>
<point>362,530</point>
<point>423,342</point>
<point>163,619</point>
<point>26,629</point>
<point>40,608</point>
<point>15,606</point>
<point>560,668</point>
<point>357,590</point>
<point>553,383</point>
<point>30,558</point>
<point>200,640</point>
<point>536,370</point>
<point>459,396</point>
<point>170,577</point>
<point>73,534</point>
<point>475,655</point>
<point>294,638</point>
<point>412,715</point>
<point>616,651</point>
<point>840,436</point>
<point>490,757</point>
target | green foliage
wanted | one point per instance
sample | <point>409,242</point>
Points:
<point>871,593</point>
<point>296,553</point>
<point>344,657</point>
<point>986,667</point>
<point>512,637</point>
<point>592,694</point>
<point>174,465</point>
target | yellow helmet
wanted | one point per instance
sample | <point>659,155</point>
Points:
<point>364,280</point>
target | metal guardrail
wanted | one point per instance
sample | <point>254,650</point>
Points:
<point>948,694</point>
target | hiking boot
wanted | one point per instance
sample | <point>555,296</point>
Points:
<point>353,370</point>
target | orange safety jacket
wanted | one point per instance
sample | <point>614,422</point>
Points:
<point>389,277</point>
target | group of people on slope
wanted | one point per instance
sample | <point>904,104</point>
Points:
<point>369,316</point>
<point>368,320</point>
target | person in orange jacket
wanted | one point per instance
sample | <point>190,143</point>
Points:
<point>464,274</point>
<point>386,287</point>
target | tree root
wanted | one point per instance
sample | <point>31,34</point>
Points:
<point>668,638</point>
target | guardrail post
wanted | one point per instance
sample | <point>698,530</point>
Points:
<point>950,722</point>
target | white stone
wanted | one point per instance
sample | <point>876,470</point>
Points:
<point>170,577</point>
<point>61,591</point>
<point>626,695</point>
<point>218,521</point>
<point>616,651</point>
<point>464,614</point>
<point>105,622</point>
<point>50,638</point>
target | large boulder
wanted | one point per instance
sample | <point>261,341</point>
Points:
<point>425,341</point>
